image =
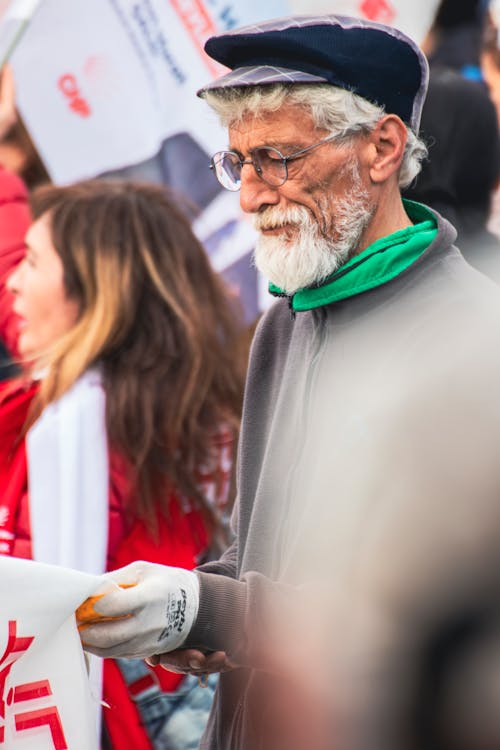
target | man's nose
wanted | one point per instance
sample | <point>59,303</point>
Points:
<point>254,192</point>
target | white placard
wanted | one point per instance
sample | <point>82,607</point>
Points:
<point>45,700</point>
<point>102,83</point>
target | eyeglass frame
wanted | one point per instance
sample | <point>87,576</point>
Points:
<point>258,170</point>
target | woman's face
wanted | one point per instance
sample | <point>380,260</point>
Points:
<point>44,310</point>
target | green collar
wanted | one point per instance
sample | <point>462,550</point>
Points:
<point>380,262</point>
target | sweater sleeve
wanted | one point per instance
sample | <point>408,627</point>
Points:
<point>14,222</point>
<point>256,621</point>
<point>241,607</point>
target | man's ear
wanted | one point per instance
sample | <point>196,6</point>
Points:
<point>388,141</point>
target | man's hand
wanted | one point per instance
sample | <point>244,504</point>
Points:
<point>140,609</point>
<point>192,661</point>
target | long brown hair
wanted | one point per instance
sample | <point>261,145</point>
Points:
<point>159,323</point>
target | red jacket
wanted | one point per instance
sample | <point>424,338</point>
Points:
<point>179,542</point>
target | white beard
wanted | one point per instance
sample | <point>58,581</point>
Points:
<point>310,257</point>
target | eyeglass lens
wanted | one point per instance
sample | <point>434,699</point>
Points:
<point>227,167</point>
<point>268,162</point>
<point>271,164</point>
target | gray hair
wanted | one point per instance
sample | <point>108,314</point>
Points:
<point>336,110</point>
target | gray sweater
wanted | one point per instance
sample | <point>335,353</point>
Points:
<point>367,469</point>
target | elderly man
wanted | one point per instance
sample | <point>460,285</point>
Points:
<point>368,481</point>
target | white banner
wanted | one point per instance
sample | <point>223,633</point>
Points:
<point>102,83</point>
<point>45,700</point>
<point>412,17</point>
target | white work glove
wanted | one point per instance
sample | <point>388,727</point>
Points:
<point>155,607</point>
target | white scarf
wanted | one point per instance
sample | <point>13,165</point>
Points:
<point>68,480</point>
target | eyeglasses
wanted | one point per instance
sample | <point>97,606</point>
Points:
<point>269,164</point>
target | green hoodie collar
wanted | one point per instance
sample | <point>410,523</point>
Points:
<point>380,262</point>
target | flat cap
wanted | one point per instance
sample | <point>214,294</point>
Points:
<point>377,62</point>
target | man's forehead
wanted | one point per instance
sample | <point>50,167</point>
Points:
<point>290,123</point>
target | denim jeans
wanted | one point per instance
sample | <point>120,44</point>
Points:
<point>173,721</point>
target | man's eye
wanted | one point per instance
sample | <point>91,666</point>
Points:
<point>269,154</point>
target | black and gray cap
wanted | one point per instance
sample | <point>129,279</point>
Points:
<point>377,62</point>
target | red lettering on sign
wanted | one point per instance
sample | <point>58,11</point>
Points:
<point>68,85</point>
<point>14,649</point>
<point>378,10</point>
<point>199,25</point>
<point>48,717</point>
<point>80,106</point>
<point>28,691</point>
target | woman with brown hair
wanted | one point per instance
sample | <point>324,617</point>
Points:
<point>117,440</point>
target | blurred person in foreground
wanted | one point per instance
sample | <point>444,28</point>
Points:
<point>117,438</point>
<point>460,175</point>
<point>368,505</point>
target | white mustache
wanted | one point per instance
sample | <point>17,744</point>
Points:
<point>273,218</point>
